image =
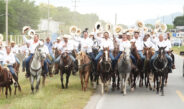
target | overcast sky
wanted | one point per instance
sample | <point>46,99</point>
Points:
<point>128,11</point>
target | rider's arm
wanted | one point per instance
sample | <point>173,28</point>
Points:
<point>26,40</point>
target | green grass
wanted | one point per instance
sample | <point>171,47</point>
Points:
<point>49,97</point>
<point>178,49</point>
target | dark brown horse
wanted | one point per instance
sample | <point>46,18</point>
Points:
<point>66,66</point>
<point>104,68</point>
<point>6,80</point>
<point>136,69</point>
<point>115,75</point>
<point>84,66</point>
<point>148,52</point>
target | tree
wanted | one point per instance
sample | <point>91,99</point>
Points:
<point>179,21</point>
<point>21,13</point>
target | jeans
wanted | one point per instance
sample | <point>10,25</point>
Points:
<point>131,56</point>
<point>101,53</point>
<point>71,56</point>
<point>1,63</point>
<point>92,56</point>
<point>53,58</point>
<point>141,55</point>
<point>27,63</point>
<point>17,60</point>
<point>57,59</point>
<point>11,69</point>
<point>167,56</point>
<point>45,66</point>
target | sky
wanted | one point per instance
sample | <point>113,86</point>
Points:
<point>128,11</point>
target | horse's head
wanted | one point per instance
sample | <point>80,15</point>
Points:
<point>126,53</point>
<point>147,51</point>
<point>64,55</point>
<point>40,53</point>
<point>161,53</point>
<point>80,57</point>
<point>106,54</point>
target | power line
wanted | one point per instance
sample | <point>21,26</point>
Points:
<point>75,4</point>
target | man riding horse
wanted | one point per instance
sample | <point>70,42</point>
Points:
<point>33,44</point>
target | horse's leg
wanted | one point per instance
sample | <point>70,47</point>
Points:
<point>166,78</point>
<point>86,80</point>
<point>113,81</point>
<point>121,82</point>
<point>162,86</point>
<point>118,80</point>
<point>10,90</point>
<point>149,84</point>
<point>43,81</point>
<point>15,91</point>
<point>126,80</point>
<point>158,85</point>
<point>67,78</point>
<point>32,83</point>
<point>62,85</point>
<point>6,92</point>
<point>38,82</point>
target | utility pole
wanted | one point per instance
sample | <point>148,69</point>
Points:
<point>6,28</point>
<point>48,29</point>
<point>115,19</point>
<point>75,4</point>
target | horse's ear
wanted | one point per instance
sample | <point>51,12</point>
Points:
<point>150,48</point>
<point>165,47</point>
<point>145,45</point>
<point>171,51</point>
<point>158,47</point>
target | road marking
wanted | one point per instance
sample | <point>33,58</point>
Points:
<point>180,95</point>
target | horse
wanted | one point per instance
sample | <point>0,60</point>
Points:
<point>36,67</point>
<point>84,64</point>
<point>56,65</point>
<point>115,75</point>
<point>65,66</point>
<point>147,68</point>
<point>135,70</point>
<point>94,76</point>
<point>124,69</point>
<point>160,69</point>
<point>6,80</point>
<point>104,68</point>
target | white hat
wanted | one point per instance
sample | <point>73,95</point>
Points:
<point>66,36</point>
<point>12,42</point>
<point>92,33</point>
<point>132,40</point>
<point>58,38</point>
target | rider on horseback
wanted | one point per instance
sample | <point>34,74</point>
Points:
<point>49,45</point>
<point>106,42</point>
<point>33,44</point>
<point>161,43</point>
<point>9,60</point>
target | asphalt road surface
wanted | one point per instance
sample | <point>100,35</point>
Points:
<point>142,98</point>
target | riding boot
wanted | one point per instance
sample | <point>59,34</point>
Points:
<point>16,80</point>
<point>27,74</point>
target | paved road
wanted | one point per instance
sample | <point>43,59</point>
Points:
<point>142,98</point>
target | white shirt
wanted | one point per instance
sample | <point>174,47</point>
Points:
<point>148,44</point>
<point>123,45</point>
<point>25,49</point>
<point>107,43</point>
<point>139,44</point>
<point>14,49</point>
<point>169,46</point>
<point>68,48</point>
<point>86,44</point>
<point>2,53</point>
<point>45,49</point>
<point>57,45</point>
<point>161,44</point>
<point>9,57</point>
<point>33,45</point>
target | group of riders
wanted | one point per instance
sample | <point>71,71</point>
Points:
<point>88,43</point>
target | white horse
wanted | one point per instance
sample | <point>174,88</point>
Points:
<point>124,69</point>
<point>36,67</point>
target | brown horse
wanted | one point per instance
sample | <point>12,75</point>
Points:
<point>66,66</point>
<point>56,66</point>
<point>135,69</point>
<point>84,66</point>
<point>104,68</point>
<point>148,52</point>
<point>6,80</point>
<point>115,75</point>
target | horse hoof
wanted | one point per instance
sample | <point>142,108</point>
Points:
<point>162,94</point>
<point>132,89</point>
